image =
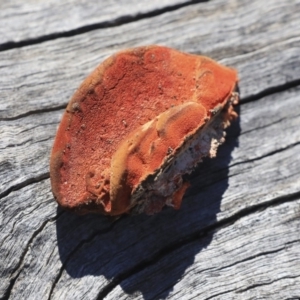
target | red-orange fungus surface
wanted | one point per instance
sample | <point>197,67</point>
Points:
<point>128,126</point>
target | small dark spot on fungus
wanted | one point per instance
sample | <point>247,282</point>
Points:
<point>75,107</point>
<point>141,121</point>
<point>170,150</point>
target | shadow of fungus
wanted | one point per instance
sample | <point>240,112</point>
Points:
<point>141,254</point>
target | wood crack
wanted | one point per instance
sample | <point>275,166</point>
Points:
<point>18,268</point>
<point>266,155</point>
<point>259,254</point>
<point>101,25</point>
<point>14,220</point>
<point>249,258</point>
<point>27,142</point>
<point>25,183</point>
<point>270,91</point>
<point>243,162</point>
<point>265,283</point>
<point>34,112</point>
<point>264,126</point>
<point>193,238</point>
<point>219,294</point>
<point>72,253</point>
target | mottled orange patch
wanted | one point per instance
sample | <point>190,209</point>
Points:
<point>124,92</point>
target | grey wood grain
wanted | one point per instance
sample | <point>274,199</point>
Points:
<point>237,234</point>
<point>21,21</point>
<point>255,257</point>
<point>44,76</point>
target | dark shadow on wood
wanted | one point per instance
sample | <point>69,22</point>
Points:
<point>124,251</point>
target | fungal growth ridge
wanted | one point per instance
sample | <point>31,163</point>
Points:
<point>144,118</point>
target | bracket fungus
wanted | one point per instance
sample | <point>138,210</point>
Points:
<point>145,117</point>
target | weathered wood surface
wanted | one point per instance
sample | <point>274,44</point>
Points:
<point>237,235</point>
<point>46,20</point>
